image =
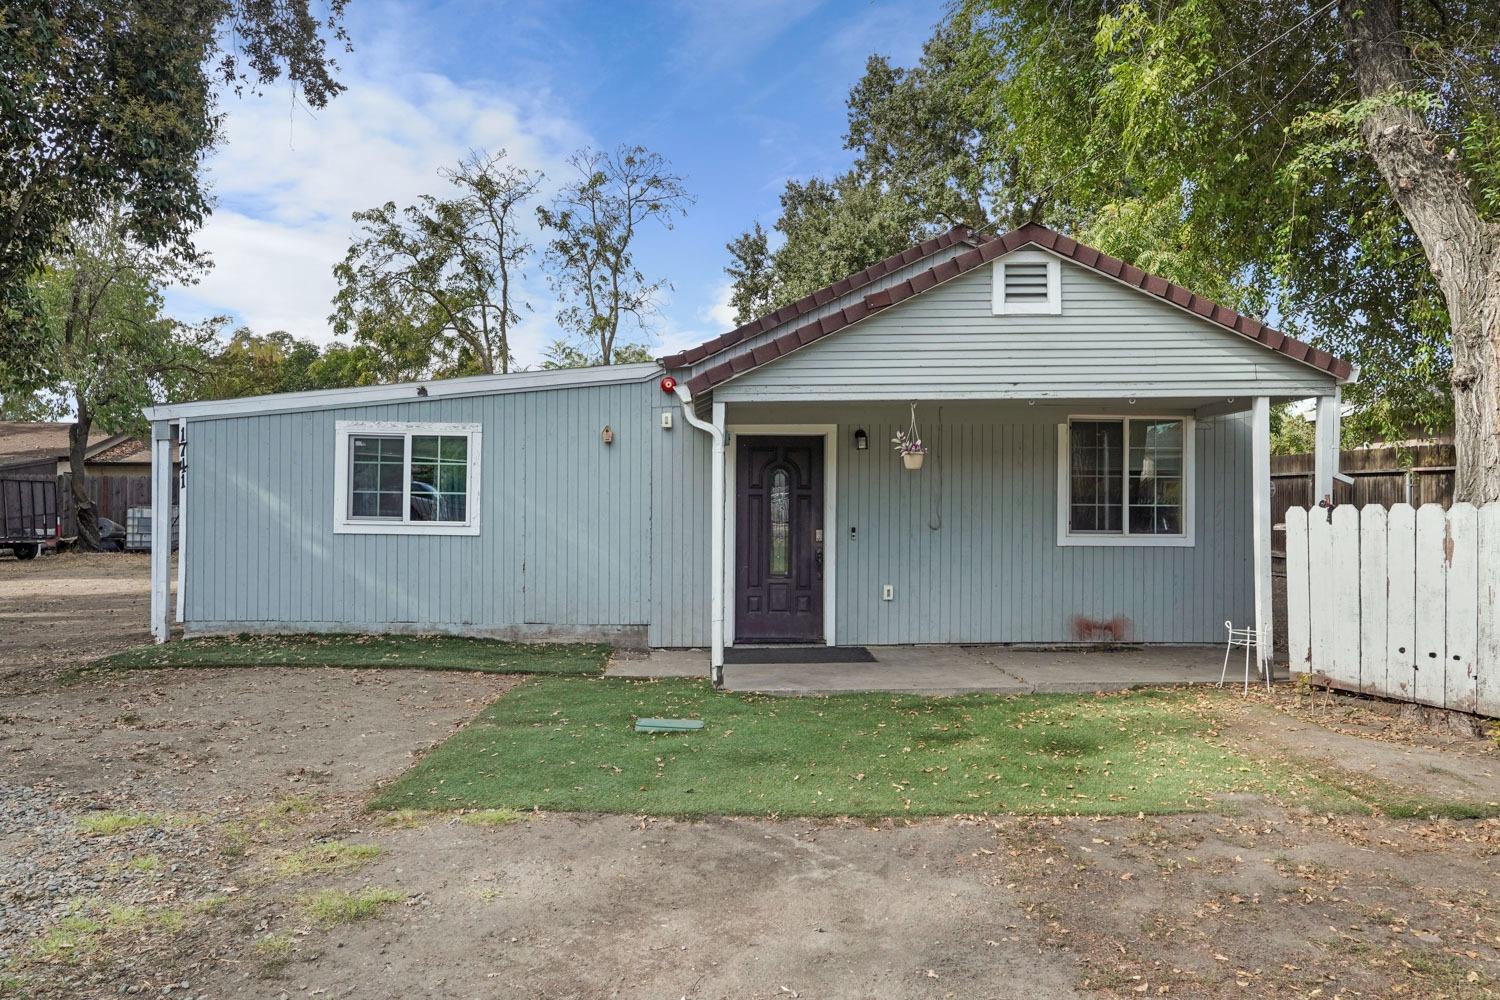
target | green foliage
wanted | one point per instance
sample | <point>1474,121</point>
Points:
<point>103,348</point>
<point>248,364</point>
<point>1291,433</point>
<point>750,272</point>
<point>431,287</point>
<point>570,354</point>
<point>596,218</point>
<point>107,104</point>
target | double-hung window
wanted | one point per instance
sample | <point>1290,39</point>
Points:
<point>406,478</point>
<point>1125,481</point>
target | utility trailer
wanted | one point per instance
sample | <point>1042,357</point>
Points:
<point>28,516</point>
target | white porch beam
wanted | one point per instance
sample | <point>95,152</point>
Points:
<point>1326,447</point>
<point>1260,510</point>
<point>163,439</point>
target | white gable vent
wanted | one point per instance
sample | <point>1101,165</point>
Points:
<point>1027,282</point>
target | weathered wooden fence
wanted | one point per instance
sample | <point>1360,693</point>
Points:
<point>1402,603</point>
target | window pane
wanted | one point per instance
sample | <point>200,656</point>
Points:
<point>781,538</point>
<point>1096,463</point>
<point>376,465</point>
<point>439,477</point>
<point>1156,470</point>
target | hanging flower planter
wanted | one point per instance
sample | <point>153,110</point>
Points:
<point>909,444</point>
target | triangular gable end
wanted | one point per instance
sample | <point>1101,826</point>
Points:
<point>735,364</point>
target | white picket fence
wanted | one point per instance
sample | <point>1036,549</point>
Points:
<point>1402,603</point>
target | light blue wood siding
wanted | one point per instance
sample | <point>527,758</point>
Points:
<point>582,538</point>
<point>1110,341</point>
<point>831,306</point>
<point>970,542</point>
<point>565,522</point>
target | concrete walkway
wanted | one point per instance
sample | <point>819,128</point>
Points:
<point>946,670</point>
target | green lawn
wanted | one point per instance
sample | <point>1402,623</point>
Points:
<point>567,744</point>
<point>421,652</point>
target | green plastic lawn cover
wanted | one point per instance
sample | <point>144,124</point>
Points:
<point>667,725</point>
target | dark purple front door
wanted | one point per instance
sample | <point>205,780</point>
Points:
<point>779,540</point>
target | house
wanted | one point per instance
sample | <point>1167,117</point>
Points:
<point>1097,467</point>
<point>117,467</point>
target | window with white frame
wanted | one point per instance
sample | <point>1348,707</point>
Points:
<point>1125,481</point>
<point>1027,282</point>
<point>406,478</point>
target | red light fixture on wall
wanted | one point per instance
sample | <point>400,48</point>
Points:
<point>668,384</point>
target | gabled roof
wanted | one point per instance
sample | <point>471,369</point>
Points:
<point>824,295</point>
<point>739,362</point>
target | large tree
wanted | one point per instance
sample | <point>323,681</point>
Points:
<point>596,220</point>
<point>106,350</point>
<point>113,104</point>
<point>440,279</point>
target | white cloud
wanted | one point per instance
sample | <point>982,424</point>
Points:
<point>287,181</point>
<point>721,311</point>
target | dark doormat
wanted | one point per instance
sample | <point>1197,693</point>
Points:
<point>797,654</point>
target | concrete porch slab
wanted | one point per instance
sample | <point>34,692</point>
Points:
<point>950,670</point>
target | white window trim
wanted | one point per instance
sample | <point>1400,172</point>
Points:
<point>1051,307</point>
<point>343,524</point>
<point>1123,537</point>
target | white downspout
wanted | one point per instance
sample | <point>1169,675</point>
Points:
<point>716,533</point>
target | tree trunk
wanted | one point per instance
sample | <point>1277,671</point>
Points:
<point>84,511</point>
<point>1462,249</point>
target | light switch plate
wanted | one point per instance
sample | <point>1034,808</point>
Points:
<point>887,592</point>
<point>666,420</point>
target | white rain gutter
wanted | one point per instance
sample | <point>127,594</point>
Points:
<point>714,430</point>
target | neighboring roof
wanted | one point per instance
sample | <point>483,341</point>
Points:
<point>824,295</point>
<point>474,385</point>
<point>1031,234</point>
<point>24,441</point>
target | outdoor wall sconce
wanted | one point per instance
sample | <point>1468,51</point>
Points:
<point>861,440</point>
<point>608,436</point>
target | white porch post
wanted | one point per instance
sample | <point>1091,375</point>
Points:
<point>1260,508</point>
<point>1326,447</point>
<point>163,435</point>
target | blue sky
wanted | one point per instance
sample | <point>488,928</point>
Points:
<point>740,95</point>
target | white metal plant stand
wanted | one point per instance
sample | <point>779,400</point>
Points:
<point>1245,637</point>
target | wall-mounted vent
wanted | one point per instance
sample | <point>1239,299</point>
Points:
<point>1027,282</point>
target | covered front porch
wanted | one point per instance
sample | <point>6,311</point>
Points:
<point>952,669</point>
<point>953,575</point>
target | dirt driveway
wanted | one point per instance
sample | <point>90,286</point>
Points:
<point>178,834</point>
